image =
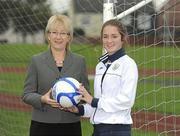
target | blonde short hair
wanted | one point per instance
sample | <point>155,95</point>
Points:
<point>55,20</point>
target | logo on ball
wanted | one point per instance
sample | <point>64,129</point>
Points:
<point>65,91</point>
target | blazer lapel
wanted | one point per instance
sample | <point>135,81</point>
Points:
<point>50,61</point>
<point>68,61</point>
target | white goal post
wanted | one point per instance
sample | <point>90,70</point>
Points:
<point>108,8</point>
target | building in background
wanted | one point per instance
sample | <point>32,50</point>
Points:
<point>141,25</point>
<point>87,18</point>
<point>88,15</point>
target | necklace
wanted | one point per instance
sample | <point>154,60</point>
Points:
<point>59,59</point>
<point>59,63</point>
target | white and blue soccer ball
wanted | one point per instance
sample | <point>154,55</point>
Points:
<point>65,92</point>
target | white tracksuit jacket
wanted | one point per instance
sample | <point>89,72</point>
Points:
<point>117,93</point>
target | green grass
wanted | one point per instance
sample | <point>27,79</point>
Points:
<point>158,93</point>
<point>12,83</point>
<point>156,57</point>
<point>15,123</point>
<point>20,55</point>
<point>149,57</point>
<point>158,97</point>
<point>146,57</point>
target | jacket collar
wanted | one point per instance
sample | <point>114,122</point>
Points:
<point>51,63</point>
<point>110,58</point>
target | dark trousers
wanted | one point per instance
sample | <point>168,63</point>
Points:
<point>55,129</point>
<point>112,130</point>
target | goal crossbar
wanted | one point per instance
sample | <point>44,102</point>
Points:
<point>108,9</point>
<point>132,9</point>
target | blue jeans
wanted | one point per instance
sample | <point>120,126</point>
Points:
<point>112,130</point>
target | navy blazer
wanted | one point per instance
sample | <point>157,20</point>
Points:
<point>41,75</point>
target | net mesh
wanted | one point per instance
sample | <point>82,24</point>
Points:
<point>153,44</point>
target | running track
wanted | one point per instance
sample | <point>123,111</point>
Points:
<point>167,124</point>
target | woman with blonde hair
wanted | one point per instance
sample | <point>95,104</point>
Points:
<point>45,68</point>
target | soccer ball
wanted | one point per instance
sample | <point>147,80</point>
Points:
<point>64,91</point>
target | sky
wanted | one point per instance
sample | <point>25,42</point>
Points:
<point>59,5</point>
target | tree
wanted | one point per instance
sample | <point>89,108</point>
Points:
<point>4,20</point>
<point>29,16</point>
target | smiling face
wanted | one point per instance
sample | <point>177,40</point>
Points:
<point>58,37</point>
<point>59,32</point>
<point>112,39</point>
<point>113,36</point>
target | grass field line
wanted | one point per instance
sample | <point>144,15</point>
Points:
<point>148,121</point>
<point>142,71</point>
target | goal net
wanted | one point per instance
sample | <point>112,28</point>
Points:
<point>153,33</point>
<point>154,44</point>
